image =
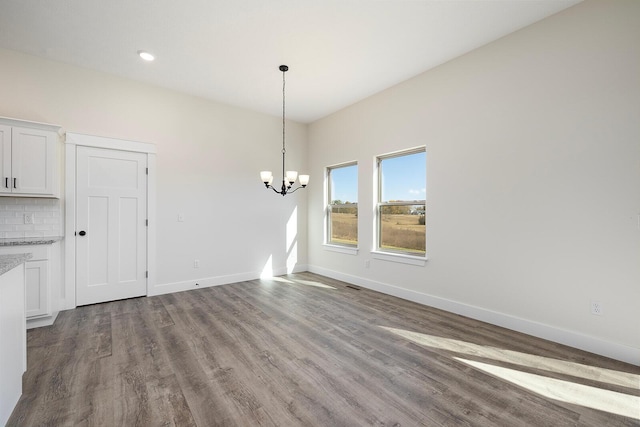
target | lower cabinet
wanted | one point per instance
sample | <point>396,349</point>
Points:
<point>40,281</point>
<point>37,288</point>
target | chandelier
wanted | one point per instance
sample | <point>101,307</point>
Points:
<point>288,177</point>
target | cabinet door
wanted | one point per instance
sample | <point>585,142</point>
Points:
<point>32,161</point>
<point>37,288</point>
<point>5,160</point>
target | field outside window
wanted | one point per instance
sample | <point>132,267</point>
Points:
<point>401,208</point>
<point>342,205</point>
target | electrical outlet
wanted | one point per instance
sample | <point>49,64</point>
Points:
<point>596,308</point>
<point>196,263</point>
<point>28,218</point>
<point>180,217</point>
<point>367,263</point>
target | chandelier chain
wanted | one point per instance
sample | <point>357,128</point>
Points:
<point>283,121</point>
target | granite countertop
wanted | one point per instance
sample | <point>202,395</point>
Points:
<point>30,241</point>
<point>7,262</point>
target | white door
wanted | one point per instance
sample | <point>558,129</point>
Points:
<point>111,249</point>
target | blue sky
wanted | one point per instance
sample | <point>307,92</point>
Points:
<point>345,184</point>
<point>404,178</point>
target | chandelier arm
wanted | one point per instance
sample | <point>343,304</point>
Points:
<point>293,191</point>
<point>273,188</point>
<point>286,189</point>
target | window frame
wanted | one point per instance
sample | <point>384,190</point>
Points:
<point>378,251</point>
<point>329,244</point>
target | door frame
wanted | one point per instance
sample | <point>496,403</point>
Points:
<point>72,141</point>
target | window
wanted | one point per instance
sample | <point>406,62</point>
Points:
<point>401,213</point>
<point>342,205</point>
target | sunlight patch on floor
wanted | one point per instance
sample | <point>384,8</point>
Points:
<point>301,282</point>
<point>613,402</point>
<point>566,391</point>
<point>281,280</point>
<point>595,373</point>
<point>315,284</point>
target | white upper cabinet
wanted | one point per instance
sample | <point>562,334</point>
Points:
<point>29,163</point>
<point>5,164</point>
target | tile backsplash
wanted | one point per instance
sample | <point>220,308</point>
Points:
<point>46,213</point>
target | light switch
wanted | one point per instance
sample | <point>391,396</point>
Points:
<point>180,217</point>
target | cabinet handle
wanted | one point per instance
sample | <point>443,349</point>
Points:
<point>6,182</point>
<point>82,233</point>
<point>15,180</point>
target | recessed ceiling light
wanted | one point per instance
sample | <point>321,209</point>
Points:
<point>146,55</point>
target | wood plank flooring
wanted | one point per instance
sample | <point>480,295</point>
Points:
<point>305,350</point>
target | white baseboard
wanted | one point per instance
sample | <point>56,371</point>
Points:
<point>42,321</point>
<point>573,339</point>
<point>205,282</point>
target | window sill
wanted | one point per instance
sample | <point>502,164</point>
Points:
<point>341,249</point>
<point>400,258</point>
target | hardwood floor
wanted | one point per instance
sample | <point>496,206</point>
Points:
<point>305,350</point>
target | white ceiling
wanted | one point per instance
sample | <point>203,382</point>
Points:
<point>338,51</point>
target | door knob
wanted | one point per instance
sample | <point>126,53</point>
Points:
<point>82,233</point>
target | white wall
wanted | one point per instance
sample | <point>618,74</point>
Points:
<point>533,180</point>
<point>208,163</point>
